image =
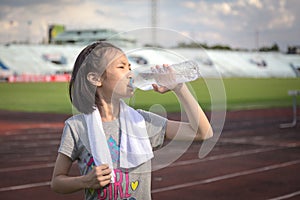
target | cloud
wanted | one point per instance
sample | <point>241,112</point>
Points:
<point>256,3</point>
<point>73,14</point>
<point>268,13</point>
<point>284,20</point>
<point>231,18</point>
<point>189,4</point>
<point>281,17</point>
<point>215,21</point>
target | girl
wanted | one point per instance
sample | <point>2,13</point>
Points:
<point>111,142</point>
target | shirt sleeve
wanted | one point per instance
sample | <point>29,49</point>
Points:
<point>156,128</point>
<point>68,143</point>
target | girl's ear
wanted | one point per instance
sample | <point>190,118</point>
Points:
<point>94,78</point>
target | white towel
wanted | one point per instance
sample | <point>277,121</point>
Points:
<point>135,147</point>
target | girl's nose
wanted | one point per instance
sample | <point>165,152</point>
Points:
<point>130,75</point>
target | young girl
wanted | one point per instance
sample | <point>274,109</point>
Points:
<point>111,142</point>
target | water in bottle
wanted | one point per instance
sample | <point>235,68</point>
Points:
<point>181,72</point>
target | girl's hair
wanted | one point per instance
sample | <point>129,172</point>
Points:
<point>94,58</point>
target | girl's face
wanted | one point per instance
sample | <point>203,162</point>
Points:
<point>117,78</point>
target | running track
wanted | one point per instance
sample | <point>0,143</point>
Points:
<point>253,159</point>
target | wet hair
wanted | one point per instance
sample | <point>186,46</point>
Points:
<point>96,57</point>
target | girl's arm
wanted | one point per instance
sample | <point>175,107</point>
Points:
<point>63,183</point>
<point>197,127</point>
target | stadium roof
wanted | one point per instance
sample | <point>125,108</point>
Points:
<point>90,35</point>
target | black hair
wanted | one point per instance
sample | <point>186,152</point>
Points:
<point>93,58</point>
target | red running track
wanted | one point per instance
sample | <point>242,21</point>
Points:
<point>253,159</point>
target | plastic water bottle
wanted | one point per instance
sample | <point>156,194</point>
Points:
<point>182,72</point>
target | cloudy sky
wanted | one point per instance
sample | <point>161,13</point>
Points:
<point>229,22</point>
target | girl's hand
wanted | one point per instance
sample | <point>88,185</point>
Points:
<point>160,89</point>
<point>99,177</point>
<point>165,76</point>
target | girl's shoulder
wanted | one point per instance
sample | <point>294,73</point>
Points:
<point>78,128</point>
<point>76,121</point>
<point>77,118</point>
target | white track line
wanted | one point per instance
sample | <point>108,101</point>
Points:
<point>33,131</point>
<point>179,186</point>
<point>287,196</point>
<point>26,186</point>
<point>222,156</point>
<point>30,167</point>
<point>180,163</point>
<point>227,176</point>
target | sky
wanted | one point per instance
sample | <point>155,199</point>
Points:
<point>237,23</point>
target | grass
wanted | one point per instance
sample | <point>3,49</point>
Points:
<point>241,93</point>
<point>248,93</point>
<point>35,97</point>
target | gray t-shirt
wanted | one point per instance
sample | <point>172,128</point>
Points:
<point>130,184</point>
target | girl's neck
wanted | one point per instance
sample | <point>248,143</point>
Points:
<point>109,110</point>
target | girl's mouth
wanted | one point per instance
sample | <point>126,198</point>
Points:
<point>131,81</point>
